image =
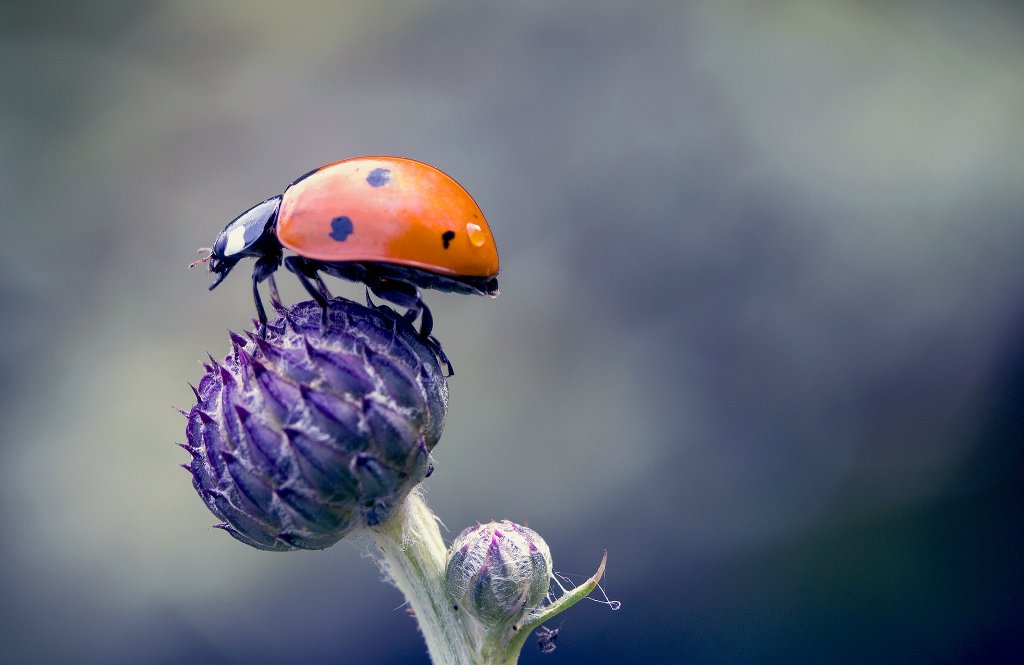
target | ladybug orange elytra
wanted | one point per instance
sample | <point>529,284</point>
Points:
<point>394,224</point>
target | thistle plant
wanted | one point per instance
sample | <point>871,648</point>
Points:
<point>315,432</point>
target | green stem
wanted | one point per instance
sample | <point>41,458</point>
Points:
<point>414,556</point>
<point>564,602</point>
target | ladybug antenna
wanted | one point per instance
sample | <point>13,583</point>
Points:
<point>202,250</point>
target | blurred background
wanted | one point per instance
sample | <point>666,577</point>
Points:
<point>761,332</point>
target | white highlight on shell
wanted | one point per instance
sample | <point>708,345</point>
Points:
<point>476,234</point>
<point>236,241</point>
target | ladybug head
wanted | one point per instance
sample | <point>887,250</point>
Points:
<point>249,234</point>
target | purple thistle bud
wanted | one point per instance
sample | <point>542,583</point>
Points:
<point>303,437</point>
<point>498,571</point>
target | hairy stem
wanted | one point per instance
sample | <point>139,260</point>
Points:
<point>414,559</point>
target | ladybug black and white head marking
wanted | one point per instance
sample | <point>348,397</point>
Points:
<point>249,234</point>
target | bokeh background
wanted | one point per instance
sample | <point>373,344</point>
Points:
<point>761,332</point>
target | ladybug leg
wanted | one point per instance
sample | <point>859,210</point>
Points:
<point>322,287</point>
<point>275,297</point>
<point>404,294</point>
<point>435,344</point>
<point>381,308</point>
<point>419,308</point>
<point>264,269</point>
<point>427,323</point>
<point>303,270</point>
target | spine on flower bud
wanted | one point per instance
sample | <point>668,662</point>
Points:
<point>498,572</point>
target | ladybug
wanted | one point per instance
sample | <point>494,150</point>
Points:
<point>394,224</point>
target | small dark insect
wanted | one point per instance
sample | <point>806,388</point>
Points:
<point>546,639</point>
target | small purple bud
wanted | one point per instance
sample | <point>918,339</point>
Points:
<point>498,571</point>
<point>303,437</point>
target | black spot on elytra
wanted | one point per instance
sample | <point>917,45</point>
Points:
<point>379,177</point>
<point>447,237</point>
<point>341,228</point>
